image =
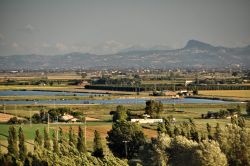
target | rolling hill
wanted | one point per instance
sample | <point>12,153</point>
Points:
<point>195,54</point>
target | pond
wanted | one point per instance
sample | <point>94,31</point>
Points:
<point>44,93</point>
<point>116,101</point>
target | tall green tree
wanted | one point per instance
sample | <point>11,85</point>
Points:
<point>46,139</point>
<point>80,141</point>
<point>176,131</point>
<point>22,146</point>
<point>248,108</point>
<point>209,153</point>
<point>238,109</point>
<point>61,138</point>
<point>153,108</point>
<point>241,122</point>
<point>124,136</point>
<point>120,113</point>
<point>97,145</point>
<point>72,136</point>
<point>209,133</point>
<point>12,142</point>
<point>154,153</point>
<point>38,138</point>
<point>181,151</point>
<point>55,143</point>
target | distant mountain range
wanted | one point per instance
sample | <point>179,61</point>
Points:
<point>195,54</point>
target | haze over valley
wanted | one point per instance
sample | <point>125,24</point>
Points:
<point>195,54</point>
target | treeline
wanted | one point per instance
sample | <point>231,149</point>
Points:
<point>183,144</point>
<point>115,88</point>
<point>229,113</point>
<point>180,143</point>
<point>61,150</point>
<point>118,81</point>
<point>41,82</point>
<point>159,87</point>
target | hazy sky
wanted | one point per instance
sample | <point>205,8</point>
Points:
<point>106,26</point>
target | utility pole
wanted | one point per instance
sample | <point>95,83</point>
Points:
<point>30,117</point>
<point>85,131</point>
<point>57,128</point>
<point>15,110</point>
<point>3,107</point>
<point>54,102</point>
<point>126,149</point>
<point>48,123</point>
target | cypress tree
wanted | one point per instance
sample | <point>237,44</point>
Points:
<point>209,128</point>
<point>72,137</point>
<point>97,147</point>
<point>46,139</point>
<point>80,141</point>
<point>12,142</point>
<point>22,146</point>
<point>194,134</point>
<point>183,133</point>
<point>238,109</point>
<point>61,138</point>
<point>176,131</point>
<point>38,138</point>
<point>241,122</point>
<point>221,138</point>
<point>248,108</point>
<point>55,143</point>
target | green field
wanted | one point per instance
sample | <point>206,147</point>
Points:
<point>29,130</point>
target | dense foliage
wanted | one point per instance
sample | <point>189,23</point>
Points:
<point>177,144</point>
<point>160,87</point>
<point>63,153</point>
<point>120,114</point>
<point>125,136</point>
<point>232,112</point>
<point>153,108</point>
<point>183,144</point>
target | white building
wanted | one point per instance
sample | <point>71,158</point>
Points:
<point>147,120</point>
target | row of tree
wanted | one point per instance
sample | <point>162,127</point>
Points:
<point>230,112</point>
<point>171,87</point>
<point>65,150</point>
<point>181,143</point>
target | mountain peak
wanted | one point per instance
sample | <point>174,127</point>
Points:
<point>198,44</point>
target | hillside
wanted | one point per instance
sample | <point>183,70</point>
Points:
<point>195,54</point>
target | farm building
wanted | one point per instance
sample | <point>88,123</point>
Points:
<point>147,120</point>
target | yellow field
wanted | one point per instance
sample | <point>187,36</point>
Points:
<point>64,77</point>
<point>226,93</point>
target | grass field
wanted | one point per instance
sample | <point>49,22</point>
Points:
<point>227,93</point>
<point>240,95</point>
